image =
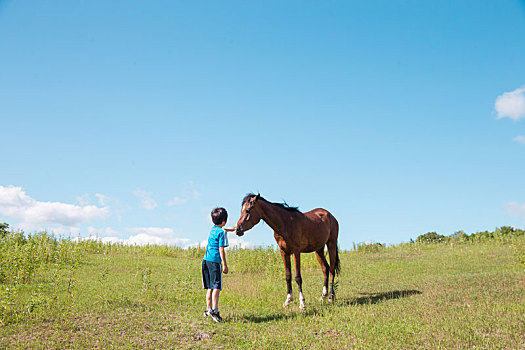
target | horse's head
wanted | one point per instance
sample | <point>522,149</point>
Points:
<point>250,214</point>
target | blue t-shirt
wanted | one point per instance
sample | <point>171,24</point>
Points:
<point>218,238</point>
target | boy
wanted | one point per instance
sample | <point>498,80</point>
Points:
<point>211,264</point>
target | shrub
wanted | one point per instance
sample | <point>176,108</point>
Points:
<point>4,229</point>
<point>502,234</point>
<point>430,237</point>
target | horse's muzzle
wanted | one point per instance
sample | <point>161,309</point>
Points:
<point>239,232</point>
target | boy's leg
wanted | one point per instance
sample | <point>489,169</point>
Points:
<point>208,299</point>
<point>215,298</point>
<point>215,302</point>
<point>206,285</point>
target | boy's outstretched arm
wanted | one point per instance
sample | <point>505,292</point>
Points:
<point>229,229</point>
<point>222,252</point>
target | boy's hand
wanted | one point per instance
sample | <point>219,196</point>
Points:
<point>229,229</point>
<point>225,269</point>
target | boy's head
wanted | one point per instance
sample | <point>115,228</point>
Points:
<point>219,216</point>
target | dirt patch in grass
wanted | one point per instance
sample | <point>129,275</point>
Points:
<point>117,329</point>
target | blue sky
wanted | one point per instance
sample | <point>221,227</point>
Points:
<point>132,120</point>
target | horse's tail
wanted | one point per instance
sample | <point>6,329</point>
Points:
<point>334,235</point>
<point>337,266</point>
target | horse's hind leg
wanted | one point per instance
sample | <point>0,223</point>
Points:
<point>332,251</point>
<point>325,267</point>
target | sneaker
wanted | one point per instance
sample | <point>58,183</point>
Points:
<point>215,316</point>
<point>206,313</point>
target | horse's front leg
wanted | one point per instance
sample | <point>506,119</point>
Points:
<point>288,274</point>
<point>298,279</point>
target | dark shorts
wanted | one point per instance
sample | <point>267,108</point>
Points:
<point>211,275</point>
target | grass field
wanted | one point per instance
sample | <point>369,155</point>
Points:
<point>429,296</point>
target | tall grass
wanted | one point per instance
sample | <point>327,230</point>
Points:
<point>519,247</point>
<point>22,258</point>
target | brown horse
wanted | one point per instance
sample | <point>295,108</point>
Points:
<point>296,233</point>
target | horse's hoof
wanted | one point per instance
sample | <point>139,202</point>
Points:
<point>286,303</point>
<point>323,297</point>
<point>302,307</point>
<point>331,299</point>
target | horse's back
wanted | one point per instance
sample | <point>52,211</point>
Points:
<point>320,215</point>
<point>324,223</point>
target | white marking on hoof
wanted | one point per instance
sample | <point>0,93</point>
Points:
<point>301,301</point>
<point>325,293</point>
<point>288,301</point>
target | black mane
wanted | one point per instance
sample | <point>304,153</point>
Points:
<point>284,205</point>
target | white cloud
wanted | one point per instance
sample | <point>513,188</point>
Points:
<point>15,203</point>
<point>141,193</point>
<point>515,209</point>
<point>62,231</point>
<point>153,231</point>
<point>147,202</point>
<point>511,104</point>
<point>103,199</point>
<point>142,236</point>
<point>155,235</point>
<point>177,201</point>
<point>144,239</point>
<point>520,139</point>
<point>107,231</point>
<point>84,199</point>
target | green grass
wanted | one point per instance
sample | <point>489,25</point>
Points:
<point>429,296</point>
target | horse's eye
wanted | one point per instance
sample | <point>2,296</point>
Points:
<point>248,211</point>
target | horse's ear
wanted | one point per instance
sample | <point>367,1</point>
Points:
<point>257,197</point>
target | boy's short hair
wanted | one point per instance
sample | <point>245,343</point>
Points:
<point>219,215</point>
